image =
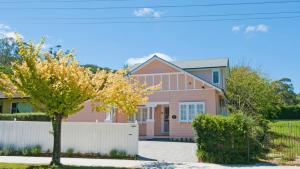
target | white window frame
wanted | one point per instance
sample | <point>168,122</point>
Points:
<point>187,110</point>
<point>140,120</point>
<point>212,76</point>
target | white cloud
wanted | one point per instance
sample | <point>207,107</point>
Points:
<point>137,60</point>
<point>257,28</point>
<point>7,32</point>
<point>13,35</point>
<point>236,28</point>
<point>143,11</point>
<point>4,27</point>
<point>250,29</point>
<point>147,12</point>
<point>262,28</point>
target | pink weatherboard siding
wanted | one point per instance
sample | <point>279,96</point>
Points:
<point>177,86</point>
<point>87,115</point>
<point>155,67</point>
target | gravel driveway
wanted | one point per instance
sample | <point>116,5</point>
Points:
<point>167,151</point>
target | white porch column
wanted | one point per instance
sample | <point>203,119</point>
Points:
<point>150,123</point>
<point>108,118</point>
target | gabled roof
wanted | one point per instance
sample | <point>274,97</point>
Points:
<point>136,68</point>
<point>197,63</point>
<point>202,63</point>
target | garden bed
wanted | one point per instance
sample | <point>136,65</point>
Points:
<point>36,151</point>
<point>29,166</point>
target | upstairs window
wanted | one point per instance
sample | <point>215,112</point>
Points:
<point>216,76</point>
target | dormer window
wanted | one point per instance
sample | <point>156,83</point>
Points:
<point>216,76</point>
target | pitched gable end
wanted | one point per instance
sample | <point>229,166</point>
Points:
<point>154,65</point>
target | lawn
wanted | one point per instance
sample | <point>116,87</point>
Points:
<point>285,140</point>
<point>28,166</point>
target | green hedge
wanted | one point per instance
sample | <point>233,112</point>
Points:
<point>289,112</point>
<point>35,116</point>
<point>227,140</point>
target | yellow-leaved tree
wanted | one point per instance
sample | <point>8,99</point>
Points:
<point>59,86</point>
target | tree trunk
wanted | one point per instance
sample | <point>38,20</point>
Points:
<point>56,125</point>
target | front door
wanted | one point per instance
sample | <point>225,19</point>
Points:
<point>165,120</point>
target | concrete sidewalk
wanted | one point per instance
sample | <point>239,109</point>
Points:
<point>134,163</point>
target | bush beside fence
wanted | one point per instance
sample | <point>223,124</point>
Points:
<point>232,139</point>
<point>289,112</point>
<point>35,116</point>
<point>36,150</point>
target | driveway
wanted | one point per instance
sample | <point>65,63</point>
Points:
<point>165,151</point>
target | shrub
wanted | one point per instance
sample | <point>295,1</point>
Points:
<point>26,151</point>
<point>113,153</point>
<point>122,153</point>
<point>9,150</point>
<point>289,112</point>
<point>1,149</point>
<point>118,153</point>
<point>70,151</point>
<point>232,139</point>
<point>36,150</point>
<point>36,116</point>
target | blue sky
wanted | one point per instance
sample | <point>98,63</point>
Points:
<point>271,45</point>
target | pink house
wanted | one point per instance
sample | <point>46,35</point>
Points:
<point>187,88</point>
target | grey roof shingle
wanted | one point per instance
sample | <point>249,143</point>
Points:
<point>202,63</point>
<point>197,63</point>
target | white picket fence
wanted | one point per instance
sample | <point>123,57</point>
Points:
<point>81,136</point>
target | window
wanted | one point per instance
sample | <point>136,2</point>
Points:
<point>189,110</point>
<point>216,76</point>
<point>200,108</point>
<point>131,118</point>
<point>22,107</point>
<point>1,111</point>
<point>144,114</point>
<point>14,108</point>
<point>150,114</point>
<point>140,116</point>
<point>183,112</point>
